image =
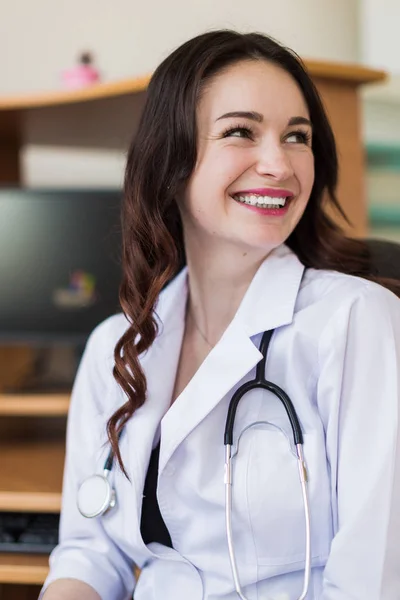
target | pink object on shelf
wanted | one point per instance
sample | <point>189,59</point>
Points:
<point>83,75</point>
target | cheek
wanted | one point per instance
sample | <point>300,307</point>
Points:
<point>304,169</point>
<point>211,180</point>
<point>198,203</point>
<point>220,170</point>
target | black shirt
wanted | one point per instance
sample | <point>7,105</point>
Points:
<point>152,526</point>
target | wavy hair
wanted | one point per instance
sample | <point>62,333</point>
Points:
<point>160,161</point>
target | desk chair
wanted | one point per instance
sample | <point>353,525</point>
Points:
<point>385,258</point>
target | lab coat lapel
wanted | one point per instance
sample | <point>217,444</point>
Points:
<point>271,298</point>
<point>228,362</point>
<point>268,304</point>
<point>159,365</point>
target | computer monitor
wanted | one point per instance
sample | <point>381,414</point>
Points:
<point>59,263</point>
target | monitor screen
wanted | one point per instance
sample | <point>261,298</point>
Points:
<point>59,263</point>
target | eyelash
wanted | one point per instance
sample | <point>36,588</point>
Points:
<point>304,136</point>
<point>230,130</point>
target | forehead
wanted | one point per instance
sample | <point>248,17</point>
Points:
<point>254,85</point>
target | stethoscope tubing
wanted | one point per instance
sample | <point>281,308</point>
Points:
<point>307,517</point>
<point>261,383</point>
<point>228,520</point>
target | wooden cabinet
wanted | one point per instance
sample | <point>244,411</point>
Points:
<point>32,428</point>
<point>32,441</point>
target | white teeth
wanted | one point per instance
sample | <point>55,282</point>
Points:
<point>262,201</point>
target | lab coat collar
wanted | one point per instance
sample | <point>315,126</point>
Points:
<point>171,306</point>
<point>271,297</point>
<point>268,303</point>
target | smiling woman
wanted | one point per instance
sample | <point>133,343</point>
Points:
<point>255,148</point>
<point>227,187</point>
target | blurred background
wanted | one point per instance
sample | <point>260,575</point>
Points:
<point>40,40</point>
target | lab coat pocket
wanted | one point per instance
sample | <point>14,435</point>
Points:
<point>273,502</point>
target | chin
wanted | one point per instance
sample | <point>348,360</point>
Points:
<point>263,245</point>
<point>265,239</point>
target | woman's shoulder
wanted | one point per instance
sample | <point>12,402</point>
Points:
<point>169,306</point>
<point>339,291</point>
<point>105,335</point>
<point>323,282</point>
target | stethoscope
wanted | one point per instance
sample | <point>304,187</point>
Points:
<point>96,495</point>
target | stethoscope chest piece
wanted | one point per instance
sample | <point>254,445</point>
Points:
<point>95,496</point>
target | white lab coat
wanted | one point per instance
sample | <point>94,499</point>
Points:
<point>336,352</point>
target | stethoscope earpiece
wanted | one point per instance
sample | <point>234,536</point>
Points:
<point>96,496</point>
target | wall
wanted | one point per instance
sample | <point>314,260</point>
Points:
<point>380,47</point>
<point>379,34</point>
<point>40,38</point>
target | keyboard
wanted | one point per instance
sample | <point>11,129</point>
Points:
<point>35,533</point>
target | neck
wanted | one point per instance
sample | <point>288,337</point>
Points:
<point>218,282</point>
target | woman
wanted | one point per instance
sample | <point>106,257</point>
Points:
<point>228,171</point>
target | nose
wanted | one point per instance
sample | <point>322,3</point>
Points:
<point>274,161</point>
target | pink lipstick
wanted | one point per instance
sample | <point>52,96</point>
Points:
<point>273,211</point>
<point>271,192</point>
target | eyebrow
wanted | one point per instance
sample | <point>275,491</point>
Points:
<point>299,121</point>
<point>256,116</point>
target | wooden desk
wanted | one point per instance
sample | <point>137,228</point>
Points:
<point>31,474</point>
<point>23,568</point>
<point>32,440</point>
<point>49,405</point>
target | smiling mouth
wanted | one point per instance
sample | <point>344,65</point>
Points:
<point>262,201</point>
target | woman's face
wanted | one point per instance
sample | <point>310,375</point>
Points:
<point>255,166</point>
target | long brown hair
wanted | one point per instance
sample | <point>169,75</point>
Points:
<point>160,162</point>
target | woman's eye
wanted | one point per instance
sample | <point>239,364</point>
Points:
<point>240,132</point>
<point>298,137</point>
